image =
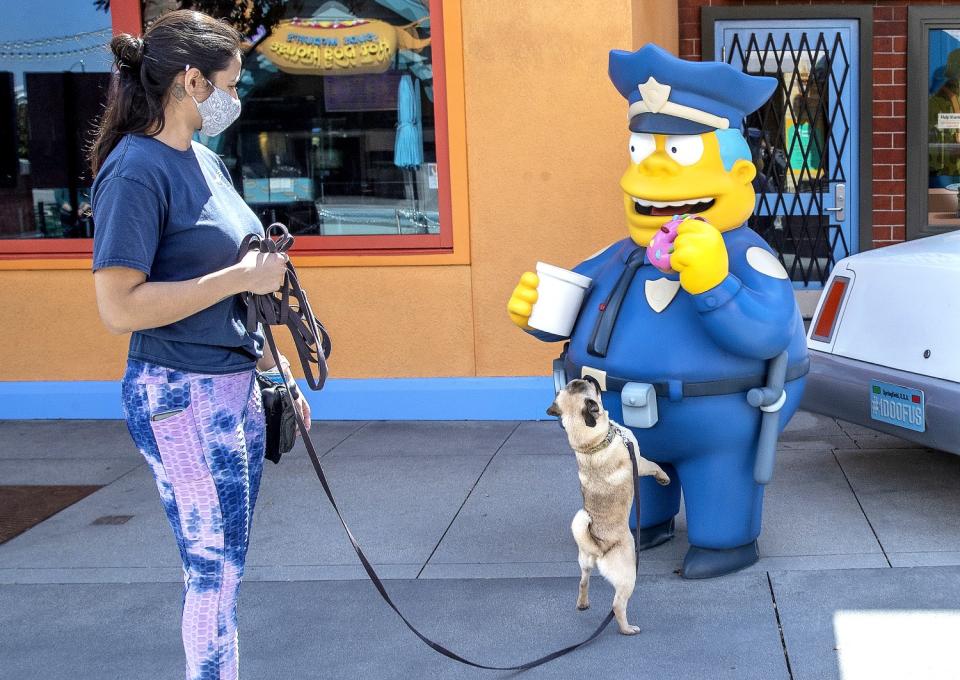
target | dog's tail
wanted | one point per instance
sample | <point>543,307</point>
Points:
<point>581,533</point>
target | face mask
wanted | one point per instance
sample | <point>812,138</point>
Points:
<point>217,112</point>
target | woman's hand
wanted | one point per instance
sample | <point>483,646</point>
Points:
<point>261,273</point>
<point>300,402</point>
<point>303,408</point>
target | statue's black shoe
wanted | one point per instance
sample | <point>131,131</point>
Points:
<point>656,535</point>
<point>709,562</point>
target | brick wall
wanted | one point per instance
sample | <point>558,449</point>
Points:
<point>889,103</point>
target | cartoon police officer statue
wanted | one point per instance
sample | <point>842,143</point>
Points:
<point>677,354</point>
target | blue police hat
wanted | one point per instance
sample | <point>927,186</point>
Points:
<point>673,96</point>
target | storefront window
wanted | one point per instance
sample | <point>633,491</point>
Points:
<point>933,121</point>
<point>943,128</point>
<point>337,136</point>
<point>54,72</point>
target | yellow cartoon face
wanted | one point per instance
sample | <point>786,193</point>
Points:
<point>676,174</point>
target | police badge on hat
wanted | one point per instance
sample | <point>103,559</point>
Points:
<point>673,96</point>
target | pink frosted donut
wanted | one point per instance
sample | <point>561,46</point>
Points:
<point>661,245</point>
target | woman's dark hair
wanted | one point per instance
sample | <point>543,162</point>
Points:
<point>146,68</point>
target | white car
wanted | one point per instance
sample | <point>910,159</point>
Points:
<point>885,342</point>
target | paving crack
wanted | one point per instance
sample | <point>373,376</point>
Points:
<point>466,498</point>
<point>776,612</point>
<point>860,505</point>
<point>348,436</point>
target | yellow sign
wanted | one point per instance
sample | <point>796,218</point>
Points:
<point>328,48</point>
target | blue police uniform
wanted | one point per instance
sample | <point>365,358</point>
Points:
<point>701,352</point>
<point>726,333</point>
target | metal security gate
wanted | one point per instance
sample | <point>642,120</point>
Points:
<point>804,140</point>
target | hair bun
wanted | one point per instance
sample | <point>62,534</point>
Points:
<point>127,49</point>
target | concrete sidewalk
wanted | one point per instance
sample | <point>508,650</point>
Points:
<point>859,576</point>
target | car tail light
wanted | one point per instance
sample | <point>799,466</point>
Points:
<point>826,322</point>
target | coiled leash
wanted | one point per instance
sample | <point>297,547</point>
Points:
<point>274,309</point>
<point>313,345</point>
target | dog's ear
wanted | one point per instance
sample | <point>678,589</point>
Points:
<point>593,381</point>
<point>591,409</point>
<point>554,410</point>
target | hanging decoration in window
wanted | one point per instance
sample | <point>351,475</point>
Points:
<point>349,47</point>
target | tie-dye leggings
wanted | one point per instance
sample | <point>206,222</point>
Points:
<point>203,437</point>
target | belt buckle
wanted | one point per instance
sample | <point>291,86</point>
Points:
<point>597,374</point>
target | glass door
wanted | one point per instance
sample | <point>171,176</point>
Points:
<point>804,139</point>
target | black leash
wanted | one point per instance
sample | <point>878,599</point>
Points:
<point>273,310</point>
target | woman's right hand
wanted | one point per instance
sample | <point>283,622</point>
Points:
<point>262,273</point>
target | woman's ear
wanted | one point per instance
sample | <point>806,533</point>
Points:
<point>194,83</point>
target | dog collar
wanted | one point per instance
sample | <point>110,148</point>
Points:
<point>602,444</point>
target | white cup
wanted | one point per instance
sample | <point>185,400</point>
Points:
<point>559,298</point>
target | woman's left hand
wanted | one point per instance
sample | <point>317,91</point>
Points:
<point>304,409</point>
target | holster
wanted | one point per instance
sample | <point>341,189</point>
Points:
<point>560,370</point>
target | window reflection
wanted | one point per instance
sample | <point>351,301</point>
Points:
<point>54,73</point>
<point>336,138</point>
<point>794,139</point>
<point>337,132</point>
<point>943,128</point>
<point>787,135</point>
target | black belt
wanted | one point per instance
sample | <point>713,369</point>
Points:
<point>708,388</point>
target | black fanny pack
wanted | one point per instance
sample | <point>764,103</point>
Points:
<point>281,425</point>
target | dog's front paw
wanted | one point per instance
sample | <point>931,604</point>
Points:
<point>662,478</point>
<point>585,604</point>
<point>630,630</point>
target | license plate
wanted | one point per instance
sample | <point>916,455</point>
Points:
<point>897,405</point>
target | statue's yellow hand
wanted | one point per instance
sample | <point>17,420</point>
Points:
<point>522,300</point>
<point>700,255</point>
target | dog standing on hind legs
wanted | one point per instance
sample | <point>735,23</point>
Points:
<point>601,528</point>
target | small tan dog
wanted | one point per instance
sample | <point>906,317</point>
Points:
<point>601,528</point>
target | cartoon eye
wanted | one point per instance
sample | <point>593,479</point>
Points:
<point>641,146</point>
<point>684,149</point>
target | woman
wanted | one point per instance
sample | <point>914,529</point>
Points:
<point>168,229</point>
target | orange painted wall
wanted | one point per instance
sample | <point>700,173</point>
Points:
<point>545,146</point>
<point>379,318</point>
<point>547,143</point>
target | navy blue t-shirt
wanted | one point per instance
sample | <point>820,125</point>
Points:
<point>174,215</point>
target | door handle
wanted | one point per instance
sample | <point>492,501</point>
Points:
<point>839,202</point>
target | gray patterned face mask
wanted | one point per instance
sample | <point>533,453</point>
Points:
<point>217,112</point>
